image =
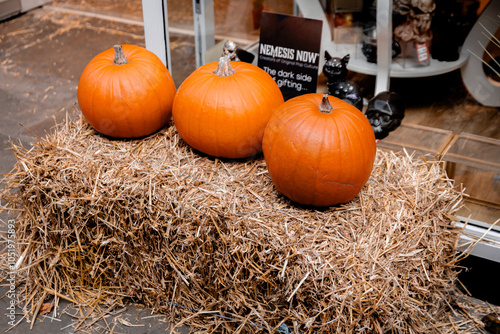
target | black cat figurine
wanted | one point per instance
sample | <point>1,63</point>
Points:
<point>335,69</point>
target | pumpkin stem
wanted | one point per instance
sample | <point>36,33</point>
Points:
<point>120,58</point>
<point>325,105</point>
<point>224,68</point>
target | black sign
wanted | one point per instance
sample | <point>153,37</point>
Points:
<point>289,50</point>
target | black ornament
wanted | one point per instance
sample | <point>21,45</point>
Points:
<point>369,44</point>
<point>449,29</point>
<point>335,69</point>
<point>370,51</point>
<point>385,113</point>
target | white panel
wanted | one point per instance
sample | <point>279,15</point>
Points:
<point>156,29</point>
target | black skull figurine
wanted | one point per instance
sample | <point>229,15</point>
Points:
<point>335,70</point>
<point>385,113</point>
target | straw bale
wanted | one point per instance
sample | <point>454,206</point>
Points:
<point>212,244</point>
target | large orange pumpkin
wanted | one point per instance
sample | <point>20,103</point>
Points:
<point>319,150</point>
<point>222,108</point>
<point>126,92</point>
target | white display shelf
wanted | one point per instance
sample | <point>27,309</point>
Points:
<point>386,67</point>
<point>400,67</point>
<point>482,88</point>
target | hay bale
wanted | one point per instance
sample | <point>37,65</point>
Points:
<point>213,244</point>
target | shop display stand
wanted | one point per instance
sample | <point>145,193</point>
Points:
<point>385,67</point>
<point>482,88</point>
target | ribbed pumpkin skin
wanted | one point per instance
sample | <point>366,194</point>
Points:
<point>225,116</point>
<point>130,100</point>
<point>316,158</point>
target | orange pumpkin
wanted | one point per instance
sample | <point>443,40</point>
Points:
<point>222,108</point>
<point>319,150</point>
<point>126,92</point>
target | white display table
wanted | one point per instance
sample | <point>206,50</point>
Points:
<point>482,88</point>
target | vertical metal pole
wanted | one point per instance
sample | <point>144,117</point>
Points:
<point>384,45</point>
<point>204,31</point>
<point>155,17</point>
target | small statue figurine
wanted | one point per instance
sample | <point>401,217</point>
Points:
<point>335,69</point>
<point>229,50</point>
<point>385,113</point>
<point>234,53</point>
<point>417,27</point>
